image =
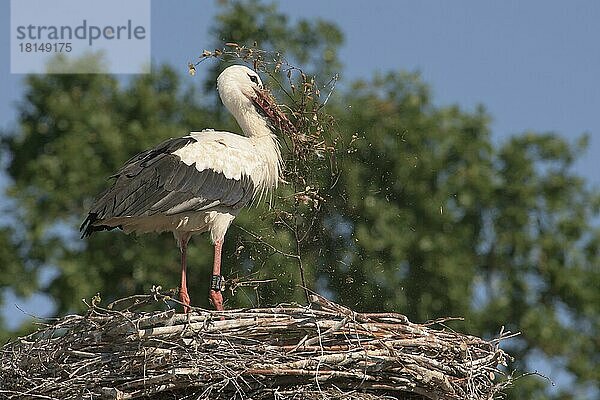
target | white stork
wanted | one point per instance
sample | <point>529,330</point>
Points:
<point>200,182</point>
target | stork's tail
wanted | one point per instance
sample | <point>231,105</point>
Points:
<point>88,227</point>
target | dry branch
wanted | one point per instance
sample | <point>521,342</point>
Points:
<point>325,351</point>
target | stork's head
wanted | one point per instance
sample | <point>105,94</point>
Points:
<point>238,86</point>
<point>255,110</point>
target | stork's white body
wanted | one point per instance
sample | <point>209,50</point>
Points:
<point>198,182</point>
<point>232,155</point>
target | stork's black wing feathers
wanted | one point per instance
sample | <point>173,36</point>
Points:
<point>157,182</point>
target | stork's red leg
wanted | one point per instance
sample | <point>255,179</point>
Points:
<point>184,297</point>
<point>214,295</point>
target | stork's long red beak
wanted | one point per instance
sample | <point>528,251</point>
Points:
<point>266,105</point>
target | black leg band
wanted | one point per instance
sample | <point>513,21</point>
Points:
<point>217,283</point>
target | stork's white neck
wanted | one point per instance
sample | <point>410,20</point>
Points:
<point>243,110</point>
<point>252,123</point>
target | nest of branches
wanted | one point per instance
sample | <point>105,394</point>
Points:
<point>285,352</point>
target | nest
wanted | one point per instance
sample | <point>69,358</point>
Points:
<point>324,351</point>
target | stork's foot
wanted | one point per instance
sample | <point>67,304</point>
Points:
<point>184,297</point>
<point>216,299</point>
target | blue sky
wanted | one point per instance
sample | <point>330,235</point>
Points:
<point>533,64</point>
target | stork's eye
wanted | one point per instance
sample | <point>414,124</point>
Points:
<point>253,78</point>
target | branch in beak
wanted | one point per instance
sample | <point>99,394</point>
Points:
<point>267,106</point>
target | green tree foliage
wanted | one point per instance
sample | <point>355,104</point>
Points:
<point>432,219</point>
<point>427,215</point>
